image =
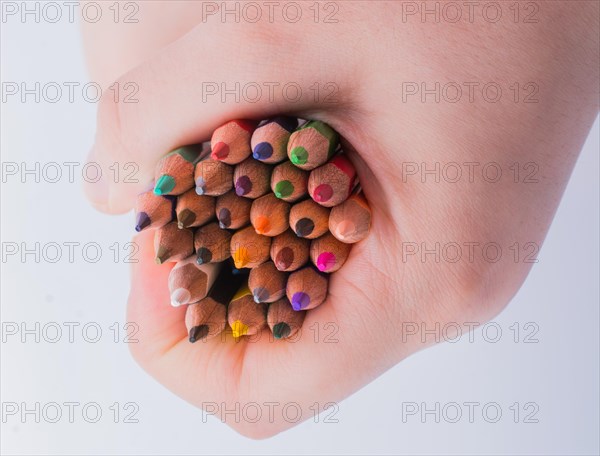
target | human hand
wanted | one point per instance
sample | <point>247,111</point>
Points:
<point>382,287</point>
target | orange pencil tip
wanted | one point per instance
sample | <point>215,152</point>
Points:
<point>262,225</point>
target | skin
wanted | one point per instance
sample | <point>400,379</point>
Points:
<point>368,54</point>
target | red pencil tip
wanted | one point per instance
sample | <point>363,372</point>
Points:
<point>323,193</point>
<point>220,151</point>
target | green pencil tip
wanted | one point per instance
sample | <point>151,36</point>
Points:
<point>281,330</point>
<point>164,185</point>
<point>283,189</point>
<point>299,155</point>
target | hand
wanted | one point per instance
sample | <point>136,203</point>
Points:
<point>383,292</point>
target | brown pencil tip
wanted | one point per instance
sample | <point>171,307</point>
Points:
<point>161,255</point>
<point>185,218</point>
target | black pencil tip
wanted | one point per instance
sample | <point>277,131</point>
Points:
<point>304,227</point>
<point>198,333</point>
<point>203,255</point>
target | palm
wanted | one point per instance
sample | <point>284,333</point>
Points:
<point>312,368</point>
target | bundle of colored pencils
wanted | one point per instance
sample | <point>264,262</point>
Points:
<point>255,221</point>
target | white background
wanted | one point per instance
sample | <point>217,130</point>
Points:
<point>559,373</point>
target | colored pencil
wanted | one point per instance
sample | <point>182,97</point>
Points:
<point>269,141</point>
<point>153,211</point>
<point>189,282</point>
<point>289,252</point>
<point>213,177</point>
<point>232,211</point>
<point>251,178</point>
<point>230,143</point>
<point>211,244</point>
<point>307,288</point>
<point>269,215</point>
<point>330,184</point>
<point>245,316</point>
<point>248,248</point>
<point>267,283</point>
<point>289,182</point>
<point>173,244</point>
<point>312,144</point>
<point>308,219</point>
<point>283,320</point>
<point>350,222</point>
<point>174,173</point>
<point>208,317</point>
<point>194,210</point>
<point>328,254</point>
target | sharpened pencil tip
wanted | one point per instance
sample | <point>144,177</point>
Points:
<point>203,255</point>
<point>198,333</point>
<point>240,258</point>
<point>262,225</point>
<point>260,294</point>
<point>161,255</point>
<point>239,329</point>
<point>200,186</point>
<point>220,151</point>
<point>142,221</point>
<point>299,155</point>
<point>164,185</point>
<point>281,330</point>
<point>185,218</point>
<point>300,300</point>
<point>262,151</point>
<point>345,229</point>
<point>180,296</point>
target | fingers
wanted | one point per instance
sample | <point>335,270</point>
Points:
<point>159,325</point>
<point>197,83</point>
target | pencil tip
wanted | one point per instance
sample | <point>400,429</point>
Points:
<point>322,193</point>
<point>220,151</point>
<point>344,229</point>
<point>164,185</point>
<point>262,151</point>
<point>224,217</point>
<point>325,261</point>
<point>180,296</point>
<point>161,255</point>
<point>203,255</point>
<point>260,294</point>
<point>243,186</point>
<point>284,258</point>
<point>304,227</point>
<point>200,186</point>
<point>299,155</point>
<point>142,221</point>
<point>185,218</point>
<point>198,333</point>
<point>240,257</point>
<point>262,225</point>
<point>239,329</point>
<point>281,330</point>
<point>300,301</point>
<point>283,189</point>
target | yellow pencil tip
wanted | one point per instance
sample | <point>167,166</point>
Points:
<point>239,329</point>
<point>240,257</point>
